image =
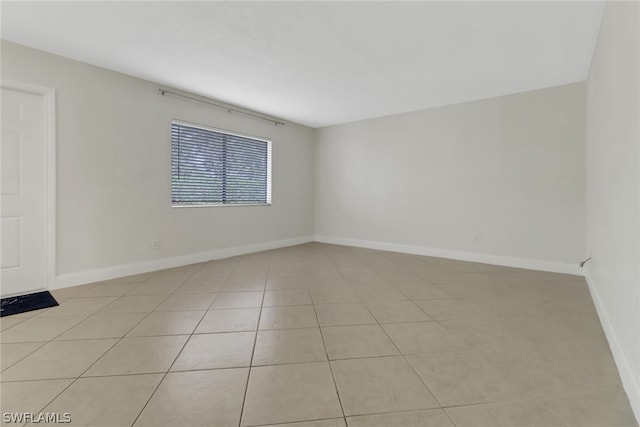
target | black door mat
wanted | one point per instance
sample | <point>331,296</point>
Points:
<point>24,303</point>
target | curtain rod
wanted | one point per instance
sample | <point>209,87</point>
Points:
<point>220,106</point>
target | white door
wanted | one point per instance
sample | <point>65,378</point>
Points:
<point>23,209</point>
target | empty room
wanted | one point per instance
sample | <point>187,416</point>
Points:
<point>320,214</point>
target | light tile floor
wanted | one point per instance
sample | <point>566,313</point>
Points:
<point>318,335</point>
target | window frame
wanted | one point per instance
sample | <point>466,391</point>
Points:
<point>228,132</point>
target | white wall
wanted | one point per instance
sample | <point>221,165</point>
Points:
<point>113,173</point>
<point>613,187</point>
<point>510,169</point>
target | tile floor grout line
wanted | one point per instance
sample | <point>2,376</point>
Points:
<point>26,355</point>
<point>333,375</point>
<point>174,359</point>
<point>403,411</point>
<point>344,415</point>
<point>65,331</point>
<point>23,319</point>
<point>56,396</point>
<point>442,408</point>
<point>253,350</point>
<point>50,340</point>
<point>146,314</point>
<point>166,296</point>
<point>164,375</point>
<point>437,322</point>
<point>405,359</point>
<point>287,423</point>
<point>553,414</point>
<point>79,376</point>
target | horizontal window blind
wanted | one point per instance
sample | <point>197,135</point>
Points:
<point>214,167</point>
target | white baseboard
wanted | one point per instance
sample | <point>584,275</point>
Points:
<point>629,381</point>
<point>526,263</point>
<point>97,275</point>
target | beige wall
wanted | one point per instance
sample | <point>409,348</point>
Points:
<point>113,172</point>
<point>509,169</point>
<point>613,187</point>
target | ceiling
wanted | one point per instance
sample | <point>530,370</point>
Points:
<point>323,63</point>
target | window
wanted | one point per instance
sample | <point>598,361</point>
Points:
<point>214,167</point>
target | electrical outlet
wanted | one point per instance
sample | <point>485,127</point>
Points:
<point>155,244</point>
<point>474,239</point>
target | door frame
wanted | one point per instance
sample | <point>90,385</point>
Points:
<point>49,105</point>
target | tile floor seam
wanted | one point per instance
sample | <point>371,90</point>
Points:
<point>407,361</point>
<point>472,345</point>
<point>507,375</point>
<point>26,355</point>
<point>397,348</point>
<point>70,327</point>
<point>494,403</point>
<point>442,408</point>
<point>38,379</point>
<point>101,356</point>
<point>187,278</point>
<point>55,397</point>
<point>546,407</point>
<point>178,311</point>
<point>403,411</point>
<point>23,319</point>
<point>106,338</point>
<point>164,375</point>
<point>253,351</point>
<point>74,379</point>
<point>295,422</point>
<point>53,340</point>
<point>466,405</point>
<point>333,375</point>
<point>166,296</point>
<point>232,308</point>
